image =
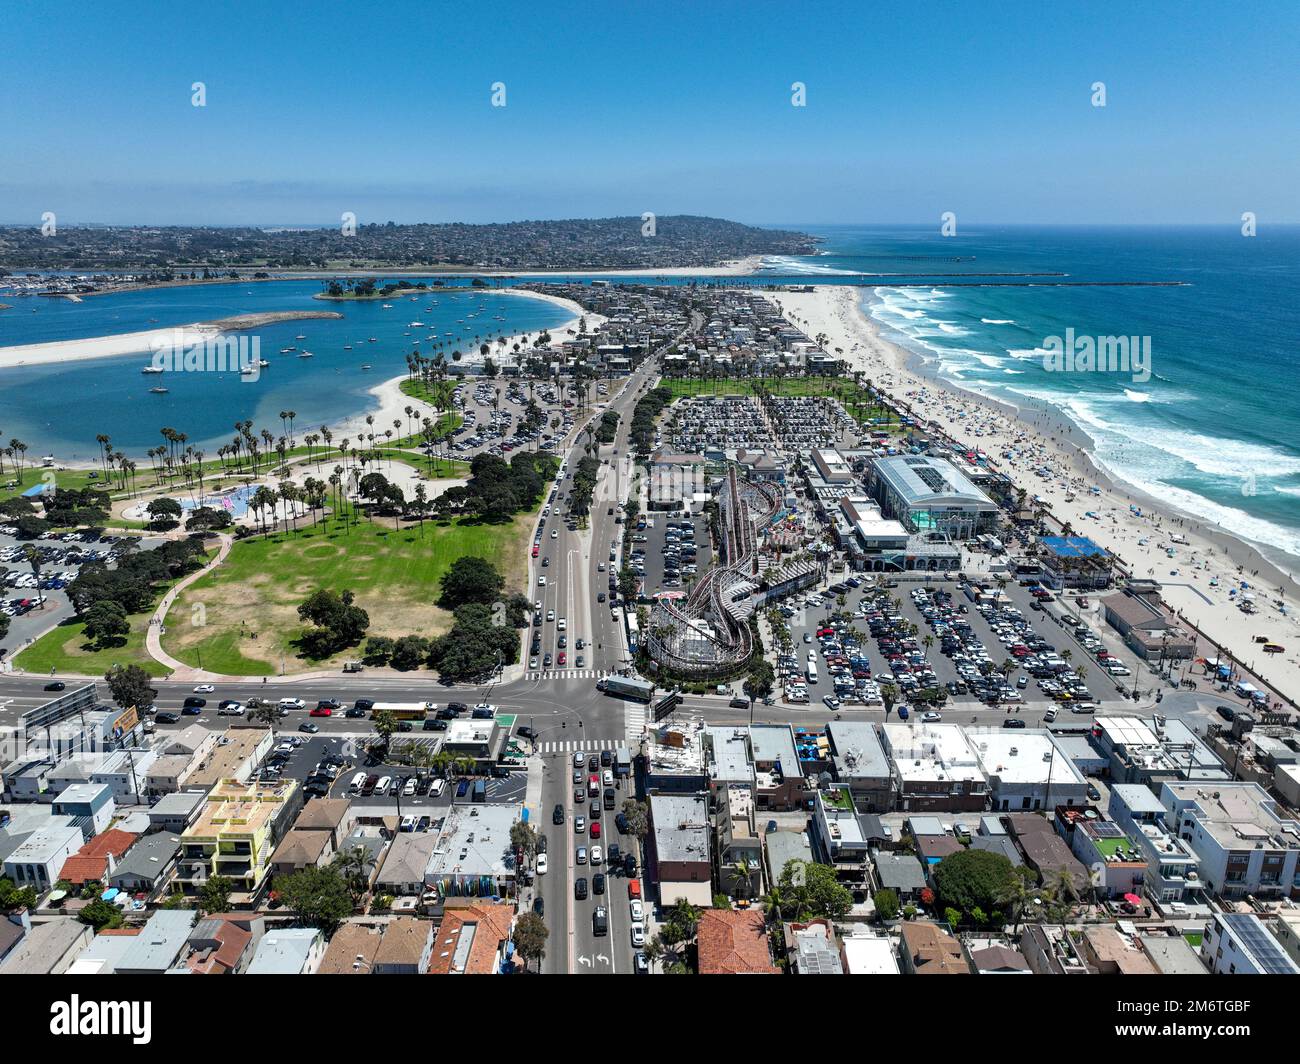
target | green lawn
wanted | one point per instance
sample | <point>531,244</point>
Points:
<point>66,478</point>
<point>64,650</point>
<point>249,605</point>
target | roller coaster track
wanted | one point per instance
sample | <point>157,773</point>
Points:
<point>709,632</point>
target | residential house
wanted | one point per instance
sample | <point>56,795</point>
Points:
<point>147,866</point>
<point>927,949</point>
<point>406,947</point>
<point>472,938</point>
<point>288,951</point>
<point>734,942</point>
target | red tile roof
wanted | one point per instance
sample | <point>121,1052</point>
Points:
<point>491,923</point>
<point>90,863</point>
<point>734,942</point>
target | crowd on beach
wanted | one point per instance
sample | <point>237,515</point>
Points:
<point>1205,576</point>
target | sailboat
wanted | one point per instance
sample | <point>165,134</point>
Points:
<point>300,336</point>
<point>305,354</point>
<point>158,391</point>
<point>151,369</point>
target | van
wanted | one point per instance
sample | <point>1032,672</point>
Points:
<point>438,787</point>
<point>292,703</point>
<point>609,797</point>
<point>357,782</point>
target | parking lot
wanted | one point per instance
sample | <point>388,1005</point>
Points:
<point>495,415</point>
<point>61,556</point>
<point>922,635</point>
<point>666,555</point>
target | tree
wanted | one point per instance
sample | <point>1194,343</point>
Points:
<point>339,623</point>
<point>385,725</point>
<point>760,681</point>
<point>530,936</point>
<point>815,891</point>
<point>886,901</point>
<point>164,513</point>
<point>523,838</point>
<point>318,896</point>
<point>638,818</point>
<point>470,579</point>
<point>379,648</point>
<point>973,879</point>
<point>12,897</point>
<point>353,864</point>
<point>409,652</point>
<point>105,624</point>
<point>214,896</point>
<point>130,686</point>
<point>100,914</point>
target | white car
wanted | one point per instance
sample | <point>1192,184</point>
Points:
<point>597,855</point>
<point>204,689</point>
<point>831,701</point>
<point>637,910</point>
<point>561,625</point>
<point>438,787</point>
<point>931,717</point>
<point>541,864</point>
<point>382,786</point>
<point>607,778</point>
<point>554,533</point>
<point>541,580</point>
<point>638,934</point>
<point>409,789</point>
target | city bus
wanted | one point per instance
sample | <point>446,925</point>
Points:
<point>631,687</point>
<point>403,710</point>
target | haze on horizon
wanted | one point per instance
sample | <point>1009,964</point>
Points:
<point>673,108</point>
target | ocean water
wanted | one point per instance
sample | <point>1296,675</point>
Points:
<point>60,408</point>
<point>1213,431</point>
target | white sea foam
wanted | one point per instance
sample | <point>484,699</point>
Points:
<point>952,329</point>
<point>1136,396</point>
<point>1028,352</point>
<point>997,321</point>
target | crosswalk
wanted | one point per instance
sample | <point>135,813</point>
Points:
<point>567,674</point>
<point>573,746</point>
<point>635,715</point>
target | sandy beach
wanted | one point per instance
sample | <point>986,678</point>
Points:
<point>392,401</point>
<point>1208,572</point>
<point>148,340</point>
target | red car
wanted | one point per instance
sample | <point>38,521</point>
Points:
<point>562,658</point>
<point>594,830</point>
<point>536,550</point>
<point>321,711</point>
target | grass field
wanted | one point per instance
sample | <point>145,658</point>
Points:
<point>854,397</point>
<point>12,484</point>
<point>249,605</point>
<point>64,650</point>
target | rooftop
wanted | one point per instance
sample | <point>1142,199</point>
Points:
<point>734,942</point>
<point>921,480</point>
<point>1023,756</point>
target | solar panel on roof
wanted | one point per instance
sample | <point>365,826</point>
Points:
<point>1106,829</point>
<point>1266,951</point>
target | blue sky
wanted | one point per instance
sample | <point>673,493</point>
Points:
<point>623,107</point>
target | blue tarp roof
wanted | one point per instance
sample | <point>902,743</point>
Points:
<point>1073,547</point>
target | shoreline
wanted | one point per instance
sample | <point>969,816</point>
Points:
<point>749,264</point>
<point>115,345</point>
<point>1042,437</point>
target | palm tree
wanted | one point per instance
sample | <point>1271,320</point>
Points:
<point>1014,896</point>
<point>741,872</point>
<point>32,557</point>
